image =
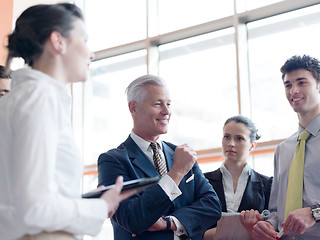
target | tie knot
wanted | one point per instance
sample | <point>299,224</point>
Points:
<point>153,146</point>
<point>304,135</point>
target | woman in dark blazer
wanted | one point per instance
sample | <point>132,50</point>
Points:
<point>240,188</point>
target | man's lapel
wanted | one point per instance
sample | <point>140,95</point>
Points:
<point>169,155</point>
<point>139,159</point>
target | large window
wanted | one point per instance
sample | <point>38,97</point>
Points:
<point>107,121</point>
<point>219,61</point>
<point>252,4</point>
<point>112,23</point>
<point>271,42</point>
<point>201,75</point>
<point>178,14</point>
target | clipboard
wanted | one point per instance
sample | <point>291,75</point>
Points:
<point>229,227</point>
<point>138,184</point>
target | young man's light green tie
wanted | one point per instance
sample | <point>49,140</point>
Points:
<point>295,178</point>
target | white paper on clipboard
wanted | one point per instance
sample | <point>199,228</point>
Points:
<point>229,227</point>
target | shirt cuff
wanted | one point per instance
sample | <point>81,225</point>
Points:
<point>169,187</point>
<point>272,219</point>
<point>180,228</point>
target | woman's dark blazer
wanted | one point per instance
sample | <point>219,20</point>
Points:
<point>256,195</point>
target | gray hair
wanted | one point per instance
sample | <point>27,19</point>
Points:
<point>136,92</point>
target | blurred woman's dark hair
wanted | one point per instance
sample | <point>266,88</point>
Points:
<point>34,27</point>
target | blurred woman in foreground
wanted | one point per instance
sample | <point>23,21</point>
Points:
<point>41,168</point>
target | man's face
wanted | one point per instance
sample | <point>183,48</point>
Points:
<point>151,117</point>
<point>302,91</point>
<point>4,86</point>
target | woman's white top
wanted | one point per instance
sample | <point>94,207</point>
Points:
<point>233,199</point>
<point>41,168</point>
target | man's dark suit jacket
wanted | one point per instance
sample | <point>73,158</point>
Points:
<point>256,195</point>
<point>197,208</point>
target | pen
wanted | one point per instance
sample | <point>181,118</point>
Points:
<point>279,235</point>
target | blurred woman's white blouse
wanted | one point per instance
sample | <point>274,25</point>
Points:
<point>41,168</point>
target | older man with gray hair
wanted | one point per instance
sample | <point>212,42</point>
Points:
<point>183,204</point>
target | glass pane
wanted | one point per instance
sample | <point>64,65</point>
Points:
<point>201,75</point>
<point>210,166</point>
<point>107,118</point>
<point>263,164</point>
<point>180,14</point>
<point>271,42</point>
<point>113,23</point>
<point>252,4</point>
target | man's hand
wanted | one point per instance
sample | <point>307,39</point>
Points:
<point>249,218</point>
<point>298,221</point>
<point>184,159</point>
<point>209,234</point>
<point>263,231</point>
<point>159,225</point>
<point>114,196</point>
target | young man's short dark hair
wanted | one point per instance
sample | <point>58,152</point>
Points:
<point>306,62</point>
